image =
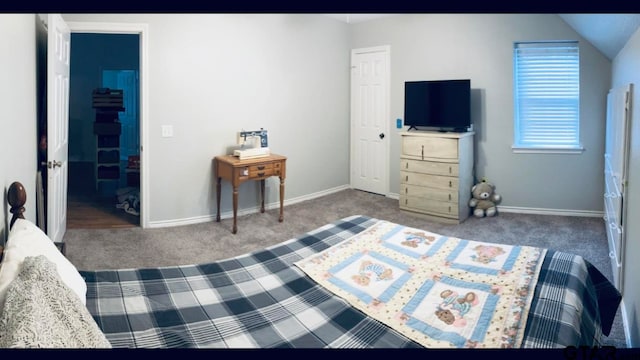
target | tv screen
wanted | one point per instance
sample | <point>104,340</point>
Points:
<point>443,105</point>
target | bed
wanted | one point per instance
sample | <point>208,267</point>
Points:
<point>282,297</point>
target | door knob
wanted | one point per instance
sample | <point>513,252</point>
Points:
<point>381,135</point>
<point>53,164</point>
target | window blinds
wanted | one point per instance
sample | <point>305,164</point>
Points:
<point>547,90</point>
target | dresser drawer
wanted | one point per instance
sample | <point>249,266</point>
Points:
<point>433,181</point>
<point>260,171</point>
<point>611,213</point>
<point>429,167</point>
<point>429,193</point>
<point>441,208</point>
<point>430,147</point>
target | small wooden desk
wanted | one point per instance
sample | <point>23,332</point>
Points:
<point>237,171</point>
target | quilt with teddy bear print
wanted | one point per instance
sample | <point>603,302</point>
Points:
<point>442,292</point>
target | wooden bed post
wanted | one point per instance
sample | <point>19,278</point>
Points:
<point>17,197</point>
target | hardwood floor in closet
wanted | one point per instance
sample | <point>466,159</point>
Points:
<point>86,209</point>
<point>96,213</point>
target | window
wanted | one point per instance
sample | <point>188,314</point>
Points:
<point>547,97</point>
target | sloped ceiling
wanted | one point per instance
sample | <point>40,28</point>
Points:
<point>607,32</point>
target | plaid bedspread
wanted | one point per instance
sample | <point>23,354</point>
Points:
<point>261,300</point>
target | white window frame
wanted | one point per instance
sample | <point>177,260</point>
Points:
<point>546,97</point>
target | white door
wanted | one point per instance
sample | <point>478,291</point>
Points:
<point>370,119</point>
<point>58,46</point>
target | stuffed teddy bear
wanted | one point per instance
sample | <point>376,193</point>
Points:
<point>483,199</point>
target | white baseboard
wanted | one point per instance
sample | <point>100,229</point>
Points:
<point>538,211</point>
<point>180,222</point>
<point>542,211</point>
<point>246,211</point>
<point>625,324</point>
<point>276,204</point>
<point>393,196</point>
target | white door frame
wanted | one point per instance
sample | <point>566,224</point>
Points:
<point>386,49</point>
<point>143,31</point>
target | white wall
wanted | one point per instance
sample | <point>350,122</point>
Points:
<point>480,47</point>
<point>212,75</point>
<point>18,158</point>
<point>625,71</point>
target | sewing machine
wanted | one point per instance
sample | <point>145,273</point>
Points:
<point>253,144</point>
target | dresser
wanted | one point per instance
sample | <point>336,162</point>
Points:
<point>436,174</point>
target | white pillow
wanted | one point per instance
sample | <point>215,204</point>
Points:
<point>26,239</point>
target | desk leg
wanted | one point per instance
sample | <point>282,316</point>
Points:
<point>262,195</point>
<point>235,209</point>
<point>281,199</point>
<point>218,198</point>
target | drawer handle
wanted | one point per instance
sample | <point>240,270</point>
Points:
<point>449,169</point>
<point>615,227</point>
<point>406,178</point>
<point>406,190</point>
<point>449,197</point>
<point>422,152</point>
<point>450,185</point>
<point>449,208</point>
<point>406,201</point>
<point>406,165</point>
<point>260,174</point>
<point>261,167</point>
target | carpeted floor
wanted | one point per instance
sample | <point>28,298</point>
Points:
<point>91,249</point>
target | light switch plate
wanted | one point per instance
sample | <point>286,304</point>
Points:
<point>167,130</point>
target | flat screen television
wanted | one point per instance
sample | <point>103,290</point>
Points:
<point>442,105</point>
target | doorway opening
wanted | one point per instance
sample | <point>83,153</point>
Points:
<point>104,131</point>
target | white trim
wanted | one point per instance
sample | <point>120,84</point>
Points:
<point>541,211</point>
<point>247,211</point>
<point>526,150</point>
<point>625,324</point>
<point>107,28</point>
<point>143,31</point>
<point>538,211</point>
<point>373,49</point>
